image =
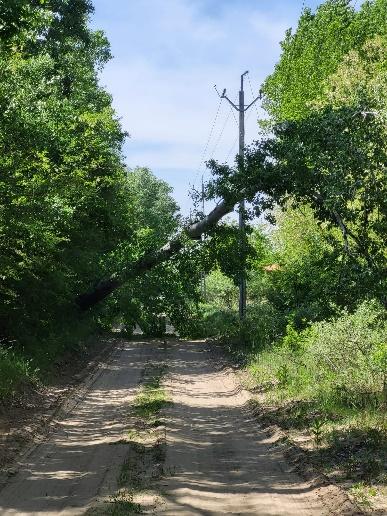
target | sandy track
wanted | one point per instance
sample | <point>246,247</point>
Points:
<point>78,463</point>
<point>220,462</point>
<point>217,462</point>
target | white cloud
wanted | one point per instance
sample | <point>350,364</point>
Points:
<point>168,55</point>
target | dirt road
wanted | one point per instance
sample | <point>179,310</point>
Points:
<point>217,460</point>
<point>220,462</point>
<point>78,463</point>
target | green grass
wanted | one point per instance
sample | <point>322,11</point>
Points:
<point>349,438</point>
<point>70,338</point>
<point>34,359</point>
<point>152,397</point>
<point>119,504</point>
<point>147,446</point>
<point>328,382</point>
<point>145,460</point>
<point>363,494</point>
<point>16,371</point>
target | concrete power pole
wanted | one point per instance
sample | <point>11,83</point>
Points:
<point>204,286</point>
<point>242,108</point>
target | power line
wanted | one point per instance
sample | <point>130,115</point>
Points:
<point>236,139</point>
<point>221,132</point>
<point>252,95</point>
<point>219,138</point>
<point>208,140</point>
<point>232,148</point>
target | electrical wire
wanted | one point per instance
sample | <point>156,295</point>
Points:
<point>236,139</point>
<point>221,132</point>
<point>252,95</point>
<point>208,140</point>
<point>219,138</point>
<point>232,148</point>
<point>237,136</point>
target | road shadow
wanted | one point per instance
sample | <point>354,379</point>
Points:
<point>78,461</point>
<point>220,461</point>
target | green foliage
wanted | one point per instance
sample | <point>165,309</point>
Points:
<point>314,333</point>
<point>314,51</point>
<point>341,354</point>
<point>70,212</point>
<point>156,212</point>
<point>63,186</point>
<point>15,372</point>
<point>314,274</point>
<point>221,291</point>
<point>363,494</point>
<point>331,361</point>
<point>210,321</point>
<point>318,430</point>
<point>169,288</point>
<point>152,397</point>
<point>263,325</point>
<point>228,250</point>
<point>326,147</point>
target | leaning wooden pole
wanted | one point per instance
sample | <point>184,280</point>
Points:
<point>106,286</point>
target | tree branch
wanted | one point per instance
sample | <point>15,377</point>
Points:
<point>106,286</point>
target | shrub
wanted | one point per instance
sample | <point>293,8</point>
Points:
<point>347,356</point>
<point>263,325</point>
<point>341,362</point>
<point>14,372</point>
<point>211,322</point>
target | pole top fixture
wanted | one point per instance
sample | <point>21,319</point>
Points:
<point>243,74</point>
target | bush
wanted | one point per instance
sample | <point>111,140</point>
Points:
<point>341,362</point>
<point>14,372</point>
<point>211,322</point>
<point>263,325</point>
<point>347,356</point>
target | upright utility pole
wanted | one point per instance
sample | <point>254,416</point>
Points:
<point>242,108</point>
<point>204,286</point>
<point>242,279</point>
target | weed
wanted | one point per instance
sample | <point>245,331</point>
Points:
<point>131,435</point>
<point>146,455</point>
<point>317,430</point>
<point>363,494</point>
<point>152,397</point>
<point>149,402</point>
<point>123,503</point>
<point>283,375</point>
<point>15,371</point>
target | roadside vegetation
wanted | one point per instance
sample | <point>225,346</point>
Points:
<point>317,366</point>
<point>314,337</point>
<point>145,444</point>
<point>152,397</point>
<point>313,342</point>
<point>146,438</point>
<point>70,210</point>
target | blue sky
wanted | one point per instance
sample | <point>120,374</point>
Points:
<point>168,54</point>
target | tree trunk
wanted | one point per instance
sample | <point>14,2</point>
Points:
<point>150,260</point>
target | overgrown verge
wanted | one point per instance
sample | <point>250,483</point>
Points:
<point>325,386</point>
<point>146,439</point>
<point>25,417</point>
<point>40,360</point>
<point>15,371</point>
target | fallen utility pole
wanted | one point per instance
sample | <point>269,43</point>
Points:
<point>242,108</point>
